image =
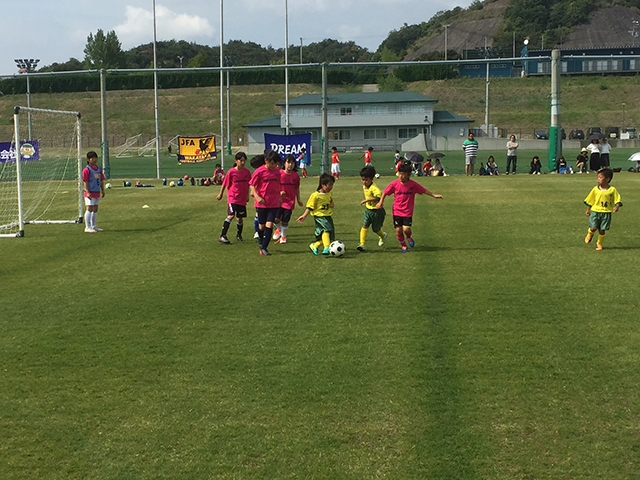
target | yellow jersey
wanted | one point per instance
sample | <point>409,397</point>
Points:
<point>372,192</point>
<point>603,201</point>
<point>319,204</point>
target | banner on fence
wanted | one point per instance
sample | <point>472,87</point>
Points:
<point>285,145</point>
<point>196,149</point>
<point>29,150</point>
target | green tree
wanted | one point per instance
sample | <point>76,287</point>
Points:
<point>103,51</point>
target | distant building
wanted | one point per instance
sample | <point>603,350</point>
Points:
<point>386,121</point>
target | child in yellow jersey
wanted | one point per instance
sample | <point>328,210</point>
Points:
<point>602,200</point>
<point>372,216</point>
<point>320,206</point>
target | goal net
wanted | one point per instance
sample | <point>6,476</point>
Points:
<point>40,170</point>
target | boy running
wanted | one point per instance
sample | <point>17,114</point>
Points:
<point>372,216</point>
<point>265,188</point>
<point>320,206</point>
<point>237,183</point>
<point>335,163</point>
<point>602,200</point>
<point>404,191</point>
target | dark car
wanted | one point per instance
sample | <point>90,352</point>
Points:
<point>576,134</point>
<point>541,135</point>
<point>612,132</point>
<point>593,130</point>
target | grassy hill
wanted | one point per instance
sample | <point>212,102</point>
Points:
<point>518,105</point>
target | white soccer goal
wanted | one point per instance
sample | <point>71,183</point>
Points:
<point>40,175</point>
<point>150,146</point>
<point>128,148</point>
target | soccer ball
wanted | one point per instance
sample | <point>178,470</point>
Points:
<point>108,185</point>
<point>172,183</point>
<point>337,249</point>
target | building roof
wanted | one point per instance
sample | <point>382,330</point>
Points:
<point>448,117</point>
<point>360,98</point>
<point>270,121</point>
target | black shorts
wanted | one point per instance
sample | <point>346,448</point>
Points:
<point>284,214</point>
<point>402,221</point>
<point>239,211</point>
<point>266,215</point>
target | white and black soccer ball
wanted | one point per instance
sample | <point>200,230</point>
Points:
<point>108,185</point>
<point>337,248</point>
<point>172,183</point>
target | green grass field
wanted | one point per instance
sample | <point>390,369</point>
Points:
<point>500,347</point>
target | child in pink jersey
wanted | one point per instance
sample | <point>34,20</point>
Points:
<point>290,184</point>
<point>237,183</point>
<point>404,191</point>
<point>265,188</point>
<point>93,190</point>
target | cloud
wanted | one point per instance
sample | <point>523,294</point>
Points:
<point>138,26</point>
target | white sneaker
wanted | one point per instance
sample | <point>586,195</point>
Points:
<point>276,234</point>
<point>255,235</point>
<point>90,230</point>
<point>382,239</point>
<point>98,229</point>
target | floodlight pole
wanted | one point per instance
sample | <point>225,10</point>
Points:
<point>26,66</point>
<point>106,164</point>
<point>286,68</point>
<point>155,91</point>
<point>221,84</point>
<point>555,135</point>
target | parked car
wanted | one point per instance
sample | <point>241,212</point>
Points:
<point>541,135</point>
<point>592,130</point>
<point>633,133</point>
<point>576,134</point>
<point>612,132</point>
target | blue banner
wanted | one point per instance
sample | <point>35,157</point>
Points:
<point>289,145</point>
<point>29,150</point>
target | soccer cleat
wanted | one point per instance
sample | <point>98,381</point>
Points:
<point>588,238</point>
<point>410,242</point>
<point>313,249</point>
<point>382,239</point>
<point>276,234</point>
<point>264,252</point>
<point>89,230</point>
<point>256,235</point>
<point>326,251</point>
<point>598,246</point>
<point>360,248</point>
<point>239,238</point>
<point>403,249</point>
<point>224,239</point>
<point>97,229</point>
<point>283,239</point>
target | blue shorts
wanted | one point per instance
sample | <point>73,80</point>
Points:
<point>266,215</point>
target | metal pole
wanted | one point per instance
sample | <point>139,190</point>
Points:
<point>486,102</point>
<point>155,92</point>
<point>300,50</point>
<point>221,84</point>
<point>16,123</point>
<point>324,149</point>
<point>286,68</point>
<point>555,136</point>
<point>106,167</point>
<point>446,40</point>
<point>228,116</point>
<point>29,105</point>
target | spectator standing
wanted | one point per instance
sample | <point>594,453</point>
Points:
<point>470,147</point>
<point>605,149</point>
<point>512,154</point>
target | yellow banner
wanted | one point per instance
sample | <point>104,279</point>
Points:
<point>196,149</point>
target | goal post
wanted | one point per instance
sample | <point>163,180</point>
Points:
<point>41,172</point>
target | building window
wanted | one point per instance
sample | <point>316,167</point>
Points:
<point>314,133</point>
<point>375,110</point>
<point>407,132</point>
<point>375,134</point>
<point>345,111</point>
<point>339,134</point>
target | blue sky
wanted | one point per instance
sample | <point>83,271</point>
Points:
<point>55,31</point>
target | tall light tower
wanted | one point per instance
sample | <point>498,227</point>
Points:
<point>286,67</point>
<point>27,65</point>
<point>155,91</point>
<point>446,40</point>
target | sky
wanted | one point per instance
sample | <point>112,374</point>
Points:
<point>57,30</point>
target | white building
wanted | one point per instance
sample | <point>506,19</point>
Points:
<point>386,121</point>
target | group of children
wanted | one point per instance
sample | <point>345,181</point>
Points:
<point>275,187</point>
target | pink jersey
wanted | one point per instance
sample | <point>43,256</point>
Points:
<point>237,184</point>
<point>404,195</point>
<point>290,183</point>
<point>367,157</point>
<point>267,185</point>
